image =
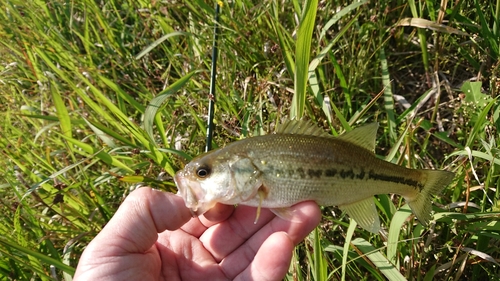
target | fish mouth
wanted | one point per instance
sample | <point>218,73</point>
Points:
<point>191,192</point>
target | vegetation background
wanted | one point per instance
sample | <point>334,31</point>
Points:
<point>92,91</point>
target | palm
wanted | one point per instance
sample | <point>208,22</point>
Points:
<point>223,245</point>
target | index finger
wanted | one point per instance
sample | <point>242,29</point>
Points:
<point>224,238</point>
<point>199,225</point>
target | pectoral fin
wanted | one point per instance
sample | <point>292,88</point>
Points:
<point>262,193</point>
<point>364,213</point>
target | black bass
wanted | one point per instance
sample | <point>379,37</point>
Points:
<point>301,162</point>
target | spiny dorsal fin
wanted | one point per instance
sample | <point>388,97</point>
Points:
<point>301,127</point>
<point>364,136</point>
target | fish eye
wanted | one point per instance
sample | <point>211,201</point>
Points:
<point>203,172</point>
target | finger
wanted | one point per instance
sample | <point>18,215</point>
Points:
<point>225,237</point>
<point>143,214</point>
<point>306,217</point>
<point>217,214</point>
<point>271,261</point>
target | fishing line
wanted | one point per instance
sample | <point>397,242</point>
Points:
<point>213,76</point>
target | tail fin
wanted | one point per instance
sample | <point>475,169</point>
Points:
<point>436,181</point>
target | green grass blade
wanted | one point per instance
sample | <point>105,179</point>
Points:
<point>158,42</point>
<point>105,138</point>
<point>105,157</point>
<point>313,81</point>
<point>339,15</point>
<point>388,98</point>
<point>319,261</point>
<point>283,39</point>
<point>343,85</point>
<point>421,36</point>
<point>479,126</point>
<point>43,258</point>
<point>378,259</point>
<point>394,150</point>
<point>155,104</point>
<point>487,34</point>
<point>385,204</point>
<point>347,244</point>
<point>129,126</point>
<point>302,55</point>
<point>109,132</point>
<point>121,93</point>
<point>320,99</point>
<point>476,153</point>
<point>61,110</point>
<point>397,222</point>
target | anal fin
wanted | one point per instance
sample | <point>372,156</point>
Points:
<point>364,213</point>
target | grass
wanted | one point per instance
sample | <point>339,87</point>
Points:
<point>93,91</point>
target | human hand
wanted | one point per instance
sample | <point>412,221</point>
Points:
<point>152,236</point>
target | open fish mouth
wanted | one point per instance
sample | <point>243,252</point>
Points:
<point>191,192</point>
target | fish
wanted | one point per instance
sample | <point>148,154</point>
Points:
<point>301,162</point>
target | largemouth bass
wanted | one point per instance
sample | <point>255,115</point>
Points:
<point>301,162</point>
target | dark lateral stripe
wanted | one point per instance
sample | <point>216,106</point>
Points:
<point>395,179</point>
<point>347,174</point>
<point>317,173</point>
<point>344,174</point>
<point>314,173</point>
<point>301,173</point>
<point>330,172</point>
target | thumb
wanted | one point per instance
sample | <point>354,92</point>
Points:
<point>144,214</point>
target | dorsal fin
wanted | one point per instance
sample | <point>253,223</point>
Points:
<point>364,136</point>
<point>300,127</point>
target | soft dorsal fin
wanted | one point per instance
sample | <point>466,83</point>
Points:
<point>301,127</point>
<point>364,136</point>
